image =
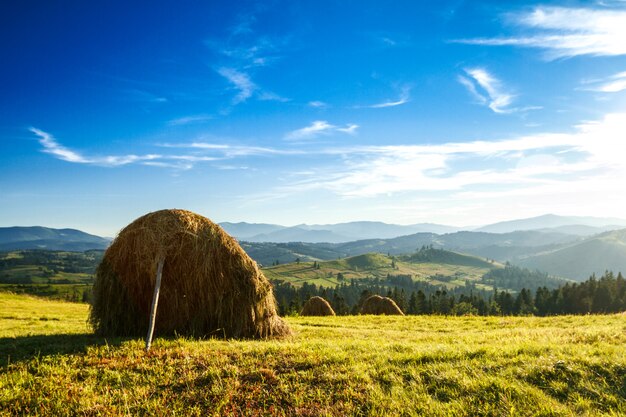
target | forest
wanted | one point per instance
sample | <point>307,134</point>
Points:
<point>603,295</point>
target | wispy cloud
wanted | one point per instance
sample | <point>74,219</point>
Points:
<point>243,25</point>
<point>588,161</point>
<point>246,88</point>
<point>404,97</point>
<point>52,147</point>
<point>317,104</point>
<point>240,81</point>
<point>196,118</point>
<point>487,89</point>
<point>143,96</point>
<point>232,151</point>
<point>530,162</point>
<point>317,128</point>
<point>243,53</point>
<point>197,152</point>
<point>612,84</point>
<point>566,32</point>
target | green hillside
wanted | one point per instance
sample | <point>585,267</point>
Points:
<point>51,364</point>
<point>450,269</point>
<point>440,256</point>
<point>55,274</point>
<point>594,255</point>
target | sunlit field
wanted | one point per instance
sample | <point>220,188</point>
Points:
<point>353,365</point>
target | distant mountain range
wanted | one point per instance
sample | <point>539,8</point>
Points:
<point>499,246</point>
<point>559,254</point>
<point>37,237</point>
<point>571,247</point>
<point>330,233</point>
<point>351,231</point>
<point>566,224</point>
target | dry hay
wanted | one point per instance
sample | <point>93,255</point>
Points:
<point>381,305</point>
<point>210,286</point>
<point>317,306</point>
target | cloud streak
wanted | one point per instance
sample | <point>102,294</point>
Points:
<point>613,84</point>
<point>52,147</point>
<point>240,81</point>
<point>405,96</point>
<point>566,32</point>
<point>551,160</point>
<point>487,89</point>
<point>537,164</point>
<point>197,152</point>
<point>197,118</point>
<point>319,128</point>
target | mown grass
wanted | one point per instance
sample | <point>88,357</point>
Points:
<point>339,366</point>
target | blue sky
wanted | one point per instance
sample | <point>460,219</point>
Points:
<point>452,112</point>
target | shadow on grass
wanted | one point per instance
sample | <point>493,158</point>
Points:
<point>24,348</point>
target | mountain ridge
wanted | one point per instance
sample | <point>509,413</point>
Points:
<point>40,237</point>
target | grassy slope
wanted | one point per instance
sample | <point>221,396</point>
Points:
<point>372,265</point>
<point>358,365</point>
<point>606,251</point>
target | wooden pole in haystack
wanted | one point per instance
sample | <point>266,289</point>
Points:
<point>155,302</point>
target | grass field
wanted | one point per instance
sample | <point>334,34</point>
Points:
<point>340,366</point>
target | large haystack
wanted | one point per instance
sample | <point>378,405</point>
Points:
<point>317,306</point>
<point>381,305</point>
<point>210,286</point>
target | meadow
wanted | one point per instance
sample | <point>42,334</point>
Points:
<point>376,265</point>
<point>51,364</point>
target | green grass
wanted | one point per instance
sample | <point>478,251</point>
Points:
<point>339,366</point>
<point>375,265</point>
<point>66,292</point>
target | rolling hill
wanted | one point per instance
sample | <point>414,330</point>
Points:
<point>438,267</point>
<point>606,251</point>
<point>501,247</point>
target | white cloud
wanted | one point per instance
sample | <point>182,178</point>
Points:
<point>52,147</point>
<point>143,96</point>
<point>613,84</point>
<point>317,128</point>
<point>572,165</point>
<point>232,151</point>
<point>567,32</point>
<point>197,118</point>
<point>317,104</point>
<point>246,87</point>
<point>487,89</point>
<point>404,97</point>
<point>593,152</point>
<point>178,161</point>
<point>241,81</point>
<point>349,129</point>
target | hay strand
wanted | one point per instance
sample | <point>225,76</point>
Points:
<point>381,305</point>
<point>317,306</point>
<point>210,285</point>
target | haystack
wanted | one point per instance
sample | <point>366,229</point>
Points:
<point>210,286</point>
<point>381,305</point>
<point>317,306</point>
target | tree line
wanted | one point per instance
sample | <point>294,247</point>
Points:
<point>603,295</point>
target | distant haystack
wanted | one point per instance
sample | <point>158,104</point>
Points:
<point>210,286</point>
<point>381,305</point>
<point>317,306</point>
